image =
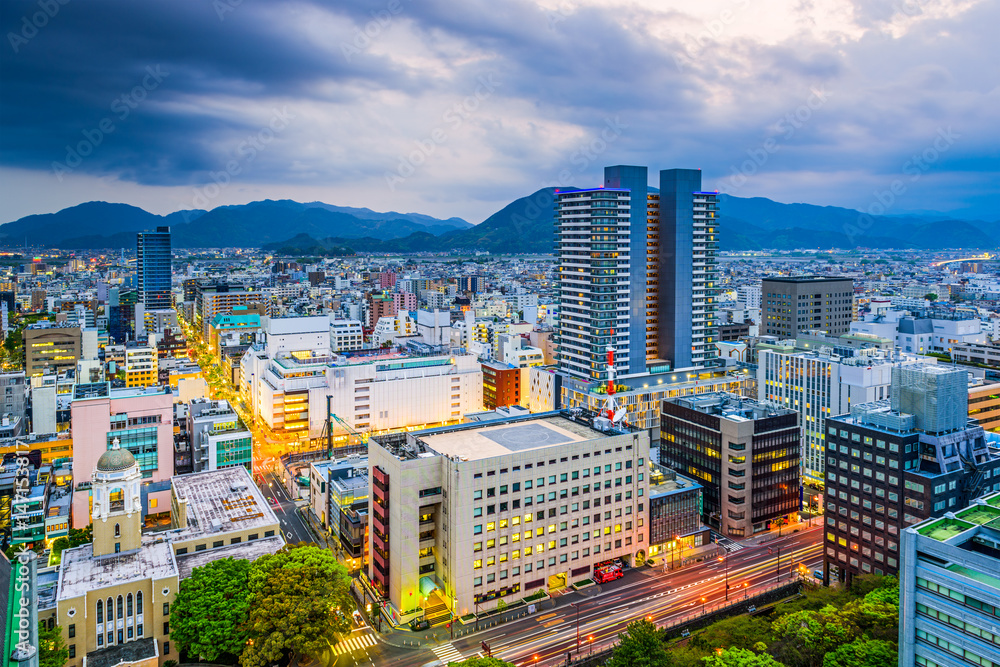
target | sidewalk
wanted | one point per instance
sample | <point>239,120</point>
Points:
<point>786,531</point>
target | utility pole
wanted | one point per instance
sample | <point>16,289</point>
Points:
<point>777,567</point>
<point>727,574</point>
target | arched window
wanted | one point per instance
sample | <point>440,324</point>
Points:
<point>138,602</point>
<point>120,610</point>
<point>111,609</point>
<point>100,611</point>
<point>128,605</point>
<point>118,530</point>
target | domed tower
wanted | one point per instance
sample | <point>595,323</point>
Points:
<point>117,502</point>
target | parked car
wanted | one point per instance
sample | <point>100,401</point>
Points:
<point>418,624</point>
<point>818,574</point>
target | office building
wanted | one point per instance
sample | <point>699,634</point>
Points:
<point>13,394</point>
<point>819,384</point>
<point>637,272</point>
<point>501,385</point>
<point>140,365</point>
<point>799,304</point>
<point>211,299</point>
<point>891,464</point>
<point>346,335</point>
<point>286,380</point>
<point>949,589</point>
<point>51,348</point>
<point>642,395</point>
<point>465,516</point>
<point>984,404</point>
<point>925,331</point>
<point>675,508</point>
<point>121,315</point>
<point>338,498</point>
<point>153,269</point>
<point>217,436</point>
<point>140,420</point>
<point>745,454</point>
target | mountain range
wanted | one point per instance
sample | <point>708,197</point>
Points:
<point>523,226</point>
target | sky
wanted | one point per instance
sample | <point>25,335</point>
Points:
<point>457,108</point>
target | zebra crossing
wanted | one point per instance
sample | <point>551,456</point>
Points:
<point>352,644</point>
<point>448,653</point>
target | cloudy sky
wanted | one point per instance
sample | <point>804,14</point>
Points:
<point>454,108</point>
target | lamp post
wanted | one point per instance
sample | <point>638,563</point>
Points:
<point>703,606</point>
<point>577,605</point>
<point>726,559</point>
<point>777,567</point>
<point>746,590</point>
<point>477,614</point>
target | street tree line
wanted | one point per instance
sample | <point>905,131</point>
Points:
<point>824,627</point>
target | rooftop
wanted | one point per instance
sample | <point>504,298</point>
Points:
<point>807,279</point>
<point>80,572</point>
<point>488,439</point>
<point>129,652</point>
<point>220,501</point>
<point>251,550</point>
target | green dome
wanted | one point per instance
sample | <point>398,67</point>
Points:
<point>115,460</point>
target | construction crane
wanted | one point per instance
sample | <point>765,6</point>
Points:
<point>362,438</point>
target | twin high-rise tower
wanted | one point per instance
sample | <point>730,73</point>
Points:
<point>637,271</point>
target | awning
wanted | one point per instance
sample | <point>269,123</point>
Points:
<point>427,586</point>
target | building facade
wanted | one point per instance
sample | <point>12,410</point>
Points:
<point>51,348</point>
<point>949,606</point>
<point>468,515</point>
<point>217,436</point>
<point>637,272</point>
<point>799,304</point>
<point>891,464</point>
<point>744,453</point>
<point>153,255</point>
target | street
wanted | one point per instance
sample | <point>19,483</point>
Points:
<point>546,637</point>
<point>292,526</point>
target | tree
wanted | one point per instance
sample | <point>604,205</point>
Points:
<point>735,632</point>
<point>484,662</point>
<point>931,296</point>
<point>299,600</point>
<point>863,653</point>
<point>641,645</point>
<point>740,657</point>
<point>211,610</point>
<point>802,638</point>
<point>52,651</point>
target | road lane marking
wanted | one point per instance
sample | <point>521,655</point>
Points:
<point>448,653</point>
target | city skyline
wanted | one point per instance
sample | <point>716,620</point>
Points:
<point>451,112</point>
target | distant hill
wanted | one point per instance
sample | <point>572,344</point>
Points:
<point>107,225</point>
<point>526,225</point>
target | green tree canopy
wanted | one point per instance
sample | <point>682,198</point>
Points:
<point>483,662</point>
<point>740,657</point>
<point>210,612</point>
<point>52,651</point>
<point>299,601</point>
<point>863,653</point>
<point>641,645</point>
<point>734,632</point>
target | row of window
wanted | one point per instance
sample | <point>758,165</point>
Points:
<point>564,459</point>
<point>540,516</point>
<point>551,562</point>
<point>218,543</point>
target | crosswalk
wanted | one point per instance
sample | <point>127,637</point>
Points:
<point>352,644</point>
<point>448,653</point>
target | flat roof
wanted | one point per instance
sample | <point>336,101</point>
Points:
<point>129,652</point>
<point>807,279</point>
<point>251,550</point>
<point>487,441</point>
<point>221,501</point>
<point>80,572</point>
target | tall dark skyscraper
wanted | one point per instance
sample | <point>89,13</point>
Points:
<point>153,268</point>
<point>637,271</point>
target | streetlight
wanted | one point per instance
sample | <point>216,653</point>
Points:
<point>727,573</point>
<point>746,590</point>
<point>577,605</point>
<point>703,606</point>
<point>591,640</point>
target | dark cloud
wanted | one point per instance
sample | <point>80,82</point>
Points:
<point>366,81</point>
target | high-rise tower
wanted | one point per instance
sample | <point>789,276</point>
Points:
<point>637,271</point>
<point>153,255</point>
